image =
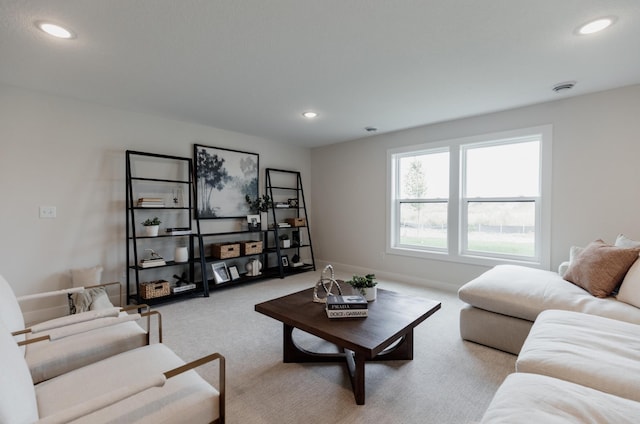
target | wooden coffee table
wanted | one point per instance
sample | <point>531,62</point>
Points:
<point>386,334</point>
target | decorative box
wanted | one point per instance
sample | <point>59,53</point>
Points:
<point>225,251</point>
<point>296,222</point>
<point>152,289</point>
<point>251,247</point>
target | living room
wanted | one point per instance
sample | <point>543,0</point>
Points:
<point>69,153</point>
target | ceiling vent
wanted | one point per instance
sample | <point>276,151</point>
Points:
<point>563,86</point>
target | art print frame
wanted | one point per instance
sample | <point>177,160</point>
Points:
<point>223,178</point>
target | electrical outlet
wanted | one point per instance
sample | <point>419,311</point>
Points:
<point>47,212</point>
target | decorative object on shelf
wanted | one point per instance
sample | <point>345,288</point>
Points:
<point>231,175</point>
<point>295,238</point>
<point>151,226</point>
<point>285,242</point>
<point>181,254</point>
<point>251,247</point>
<point>326,285</point>
<point>284,260</point>
<point>253,222</point>
<point>150,202</point>
<point>225,250</point>
<point>178,231</point>
<point>366,285</point>
<point>220,272</point>
<point>233,272</point>
<point>295,261</point>
<point>153,260</point>
<point>296,222</point>
<point>293,203</point>
<point>260,205</point>
<point>253,268</point>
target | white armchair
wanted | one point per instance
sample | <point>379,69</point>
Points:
<point>150,384</point>
<point>76,340</point>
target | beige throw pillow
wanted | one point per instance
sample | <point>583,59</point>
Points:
<point>600,267</point>
<point>630,288</point>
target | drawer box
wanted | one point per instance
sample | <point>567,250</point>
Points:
<point>153,289</point>
<point>225,250</point>
<point>251,247</point>
<point>296,222</point>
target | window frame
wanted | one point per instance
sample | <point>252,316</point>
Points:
<point>456,216</point>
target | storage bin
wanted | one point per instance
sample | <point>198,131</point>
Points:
<point>251,247</point>
<point>296,222</point>
<point>225,250</point>
<point>153,289</point>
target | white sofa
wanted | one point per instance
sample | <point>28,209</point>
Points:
<point>503,303</point>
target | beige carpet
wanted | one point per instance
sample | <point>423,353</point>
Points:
<point>449,380</point>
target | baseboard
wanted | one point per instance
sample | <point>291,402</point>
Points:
<point>393,276</point>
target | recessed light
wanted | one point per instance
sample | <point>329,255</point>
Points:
<point>309,115</point>
<point>595,26</point>
<point>55,30</point>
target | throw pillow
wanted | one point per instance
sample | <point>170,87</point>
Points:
<point>89,300</point>
<point>86,276</point>
<point>630,289</point>
<point>623,241</point>
<point>600,267</point>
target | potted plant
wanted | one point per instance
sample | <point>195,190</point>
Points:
<point>366,285</point>
<point>151,226</point>
<point>260,205</point>
<point>284,239</point>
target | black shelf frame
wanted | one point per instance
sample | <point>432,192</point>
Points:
<point>133,270</point>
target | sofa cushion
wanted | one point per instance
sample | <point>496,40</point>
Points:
<point>524,292</point>
<point>630,289</point>
<point>600,267</point>
<point>184,398</point>
<point>17,396</point>
<point>50,359</point>
<point>593,351</point>
<point>530,398</point>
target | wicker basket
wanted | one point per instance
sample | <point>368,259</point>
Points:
<point>225,251</point>
<point>251,247</point>
<point>296,222</point>
<point>152,289</point>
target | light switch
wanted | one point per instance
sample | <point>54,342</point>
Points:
<point>47,212</point>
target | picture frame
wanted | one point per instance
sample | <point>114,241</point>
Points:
<point>220,272</point>
<point>233,272</point>
<point>253,222</point>
<point>293,203</point>
<point>284,260</point>
<point>224,177</point>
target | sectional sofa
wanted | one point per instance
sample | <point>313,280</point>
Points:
<point>576,333</point>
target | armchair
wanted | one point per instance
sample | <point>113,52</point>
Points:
<point>76,340</point>
<point>150,384</point>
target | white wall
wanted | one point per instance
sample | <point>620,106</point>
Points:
<point>596,145</point>
<point>70,154</point>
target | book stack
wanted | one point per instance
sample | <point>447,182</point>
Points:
<point>150,263</point>
<point>150,202</point>
<point>284,225</point>
<point>352,306</point>
<point>281,204</point>
<point>178,231</point>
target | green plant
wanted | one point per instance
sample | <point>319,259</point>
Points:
<point>360,283</point>
<point>261,204</point>
<point>149,222</point>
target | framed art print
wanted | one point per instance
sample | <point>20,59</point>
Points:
<point>223,179</point>
<point>220,272</point>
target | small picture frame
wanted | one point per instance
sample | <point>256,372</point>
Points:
<point>284,260</point>
<point>293,203</point>
<point>220,272</point>
<point>233,272</point>
<point>253,222</point>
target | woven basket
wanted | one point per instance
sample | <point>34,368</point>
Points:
<point>225,251</point>
<point>252,247</point>
<point>152,289</point>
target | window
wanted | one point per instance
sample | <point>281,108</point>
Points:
<point>477,200</point>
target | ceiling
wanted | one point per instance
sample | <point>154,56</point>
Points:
<point>253,66</point>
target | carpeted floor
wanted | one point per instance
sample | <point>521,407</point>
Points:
<point>448,381</point>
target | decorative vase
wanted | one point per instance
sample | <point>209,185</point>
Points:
<point>370,293</point>
<point>151,230</point>
<point>286,243</point>
<point>253,268</point>
<point>264,221</point>
<point>181,255</point>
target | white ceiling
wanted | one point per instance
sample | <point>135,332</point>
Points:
<point>254,66</point>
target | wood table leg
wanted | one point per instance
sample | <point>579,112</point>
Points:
<point>355,367</point>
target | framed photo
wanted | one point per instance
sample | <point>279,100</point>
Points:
<point>220,272</point>
<point>233,272</point>
<point>223,178</point>
<point>285,260</point>
<point>254,222</point>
